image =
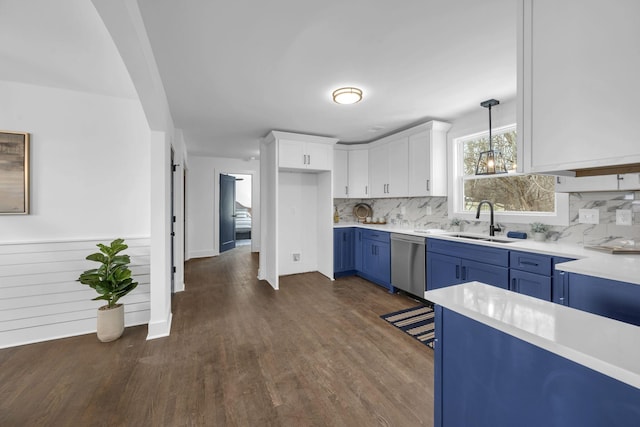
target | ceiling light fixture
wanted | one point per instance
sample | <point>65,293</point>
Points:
<point>490,162</point>
<point>347,95</point>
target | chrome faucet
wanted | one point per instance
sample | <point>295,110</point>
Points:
<point>492,227</point>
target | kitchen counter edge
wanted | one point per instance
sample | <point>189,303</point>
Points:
<point>623,268</point>
<point>599,343</point>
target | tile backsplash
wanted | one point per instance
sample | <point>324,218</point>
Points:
<point>432,212</point>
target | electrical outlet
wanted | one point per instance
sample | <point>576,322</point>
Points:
<point>589,216</point>
<point>623,217</point>
<point>296,257</point>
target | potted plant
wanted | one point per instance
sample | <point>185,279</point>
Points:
<point>539,231</point>
<point>456,224</point>
<point>112,280</point>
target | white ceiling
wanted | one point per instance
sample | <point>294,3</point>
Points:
<point>60,44</point>
<point>235,70</point>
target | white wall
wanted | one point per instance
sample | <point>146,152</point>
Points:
<point>297,222</point>
<point>124,22</point>
<point>203,183</point>
<point>90,182</point>
<point>89,164</point>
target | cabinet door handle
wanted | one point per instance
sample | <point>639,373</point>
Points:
<point>464,273</point>
<point>457,271</point>
<point>558,180</point>
<point>514,284</point>
<point>428,189</point>
<point>535,264</point>
<point>366,189</point>
<point>346,189</point>
<point>308,159</point>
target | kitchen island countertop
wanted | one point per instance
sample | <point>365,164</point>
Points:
<point>599,343</point>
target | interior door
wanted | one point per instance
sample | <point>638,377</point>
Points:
<point>173,223</point>
<point>227,212</point>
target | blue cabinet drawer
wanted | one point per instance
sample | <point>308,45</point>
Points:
<point>378,236</point>
<point>479,253</point>
<point>533,263</point>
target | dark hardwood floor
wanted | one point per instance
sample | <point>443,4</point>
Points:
<point>314,353</point>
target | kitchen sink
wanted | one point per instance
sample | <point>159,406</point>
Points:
<point>482,238</point>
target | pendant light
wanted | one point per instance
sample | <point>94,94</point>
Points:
<point>490,162</point>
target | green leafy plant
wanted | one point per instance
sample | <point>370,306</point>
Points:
<point>538,227</point>
<point>112,280</point>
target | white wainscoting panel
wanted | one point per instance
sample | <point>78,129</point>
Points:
<point>41,300</point>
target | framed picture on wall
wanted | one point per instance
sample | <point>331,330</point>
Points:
<point>14,172</point>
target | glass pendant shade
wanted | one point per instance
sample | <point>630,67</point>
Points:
<point>490,162</point>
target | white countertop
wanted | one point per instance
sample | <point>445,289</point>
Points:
<point>599,343</point>
<point>625,268</point>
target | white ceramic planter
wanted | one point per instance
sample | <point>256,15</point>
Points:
<point>110,323</point>
<point>539,237</point>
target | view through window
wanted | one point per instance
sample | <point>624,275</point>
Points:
<point>511,192</point>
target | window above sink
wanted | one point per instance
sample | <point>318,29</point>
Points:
<point>517,197</point>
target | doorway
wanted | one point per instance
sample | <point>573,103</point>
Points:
<point>235,210</point>
<point>227,212</point>
<point>244,212</point>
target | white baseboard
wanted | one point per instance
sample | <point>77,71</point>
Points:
<point>178,287</point>
<point>160,329</point>
<point>202,254</point>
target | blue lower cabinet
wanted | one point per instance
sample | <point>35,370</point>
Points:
<point>343,252</point>
<point>485,273</point>
<point>609,298</point>
<point>487,378</point>
<point>376,258</point>
<point>532,274</point>
<point>560,285</point>
<point>451,263</point>
<point>442,270</point>
<point>534,285</point>
<point>358,249</point>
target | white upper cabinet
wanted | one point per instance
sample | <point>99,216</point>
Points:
<point>578,84</point>
<point>359,173</point>
<point>340,173</point>
<point>293,154</point>
<point>569,184</point>
<point>629,181</point>
<point>388,168</point>
<point>428,160</point>
<point>350,173</point>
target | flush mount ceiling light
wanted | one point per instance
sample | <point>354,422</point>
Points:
<point>490,162</point>
<point>347,95</point>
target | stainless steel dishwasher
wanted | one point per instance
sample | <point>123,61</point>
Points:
<point>408,263</point>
